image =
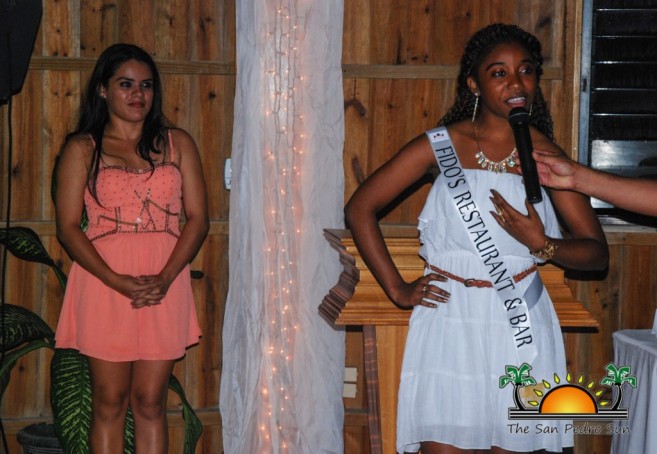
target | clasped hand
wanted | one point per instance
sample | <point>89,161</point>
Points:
<point>146,290</point>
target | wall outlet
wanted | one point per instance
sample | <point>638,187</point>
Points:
<point>351,374</point>
<point>228,174</point>
<point>349,385</point>
<point>349,390</point>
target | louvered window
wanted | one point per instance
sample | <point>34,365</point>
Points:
<point>618,109</point>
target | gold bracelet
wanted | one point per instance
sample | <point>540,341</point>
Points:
<point>548,250</point>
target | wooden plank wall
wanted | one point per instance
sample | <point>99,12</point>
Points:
<point>400,60</point>
<point>193,42</point>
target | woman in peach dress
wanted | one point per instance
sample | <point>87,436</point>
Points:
<point>129,305</point>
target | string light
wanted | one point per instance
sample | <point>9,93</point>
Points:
<point>282,169</point>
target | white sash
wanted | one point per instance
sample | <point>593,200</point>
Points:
<point>516,306</point>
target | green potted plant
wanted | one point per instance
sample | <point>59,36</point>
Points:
<point>70,381</point>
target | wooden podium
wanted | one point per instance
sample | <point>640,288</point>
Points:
<point>357,299</point>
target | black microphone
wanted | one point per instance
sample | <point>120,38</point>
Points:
<point>519,120</point>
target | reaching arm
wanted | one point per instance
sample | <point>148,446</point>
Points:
<point>382,187</point>
<point>585,247</point>
<point>632,194</point>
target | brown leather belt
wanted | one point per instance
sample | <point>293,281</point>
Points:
<point>471,282</point>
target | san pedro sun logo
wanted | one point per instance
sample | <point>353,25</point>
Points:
<point>576,401</point>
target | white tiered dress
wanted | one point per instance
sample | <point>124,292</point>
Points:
<point>455,354</point>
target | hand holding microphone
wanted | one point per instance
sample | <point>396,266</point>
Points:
<point>519,120</point>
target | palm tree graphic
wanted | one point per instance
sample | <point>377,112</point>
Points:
<point>520,377</point>
<point>618,377</point>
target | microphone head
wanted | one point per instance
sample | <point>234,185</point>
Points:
<point>518,115</point>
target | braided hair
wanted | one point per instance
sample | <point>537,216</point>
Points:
<point>476,50</point>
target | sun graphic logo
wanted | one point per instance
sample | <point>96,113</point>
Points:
<point>573,401</point>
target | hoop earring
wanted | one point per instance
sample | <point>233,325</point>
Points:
<point>476,105</point>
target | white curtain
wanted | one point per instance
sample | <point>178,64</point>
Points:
<point>283,365</point>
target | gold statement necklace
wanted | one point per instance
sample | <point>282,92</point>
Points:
<point>493,166</point>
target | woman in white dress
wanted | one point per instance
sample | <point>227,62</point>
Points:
<point>461,336</point>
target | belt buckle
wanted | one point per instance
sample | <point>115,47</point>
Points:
<point>468,282</point>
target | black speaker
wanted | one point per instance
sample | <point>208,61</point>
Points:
<point>19,23</point>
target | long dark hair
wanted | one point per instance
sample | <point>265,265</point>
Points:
<point>476,50</point>
<point>94,113</point>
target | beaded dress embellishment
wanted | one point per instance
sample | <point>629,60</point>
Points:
<point>129,207</point>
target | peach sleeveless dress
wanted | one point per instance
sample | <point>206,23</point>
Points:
<point>134,229</point>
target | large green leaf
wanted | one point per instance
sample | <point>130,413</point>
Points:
<point>25,244</point>
<point>129,447</point>
<point>193,426</point>
<point>20,326</point>
<point>71,402</point>
<point>70,396</point>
